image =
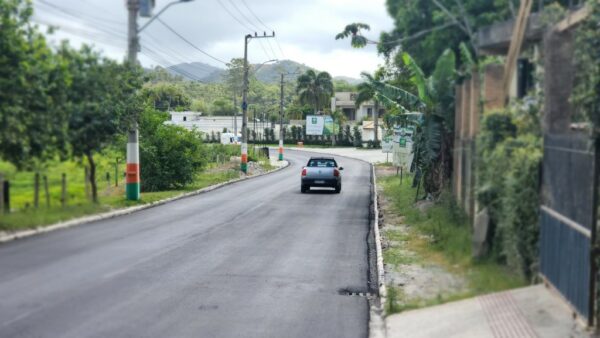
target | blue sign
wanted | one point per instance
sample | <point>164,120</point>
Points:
<point>244,105</point>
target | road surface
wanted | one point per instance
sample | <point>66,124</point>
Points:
<point>252,259</point>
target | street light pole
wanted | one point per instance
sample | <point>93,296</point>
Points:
<point>132,187</point>
<point>247,38</point>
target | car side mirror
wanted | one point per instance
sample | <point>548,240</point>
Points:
<point>341,168</point>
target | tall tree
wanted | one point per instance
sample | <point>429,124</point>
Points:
<point>314,89</point>
<point>33,84</point>
<point>102,103</point>
<point>367,92</point>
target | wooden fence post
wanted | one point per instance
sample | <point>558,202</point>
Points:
<point>6,200</point>
<point>36,190</point>
<point>63,191</point>
<point>1,193</point>
<point>86,179</point>
<point>46,192</point>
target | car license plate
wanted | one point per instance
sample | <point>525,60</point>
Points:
<point>319,182</point>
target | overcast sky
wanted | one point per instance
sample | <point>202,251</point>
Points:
<point>305,30</point>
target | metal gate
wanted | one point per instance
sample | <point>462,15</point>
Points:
<point>567,218</point>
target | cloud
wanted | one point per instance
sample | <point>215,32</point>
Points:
<point>305,30</point>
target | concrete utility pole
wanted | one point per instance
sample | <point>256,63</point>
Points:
<point>132,190</point>
<point>247,38</point>
<point>281,120</point>
<point>132,179</point>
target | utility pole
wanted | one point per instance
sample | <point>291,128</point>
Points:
<point>132,190</point>
<point>132,179</point>
<point>247,38</point>
<point>235,109</point>
<point>281,120</point>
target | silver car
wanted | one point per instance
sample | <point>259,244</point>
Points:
<point>321,172</point>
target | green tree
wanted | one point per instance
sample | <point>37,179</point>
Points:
<point>434,98</point>
<point>314,89</point>
<point>367,92</point>
<point>33,85</point>
<point>166,96</point>
<point>102,103</point>
<point>172,155</point>
<point>354,30</point>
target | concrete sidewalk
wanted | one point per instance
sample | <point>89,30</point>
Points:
<point>532,311</point>
<point>369,155</point>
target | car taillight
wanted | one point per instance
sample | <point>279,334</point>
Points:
<point>303,171</point>
<point>336,172</point>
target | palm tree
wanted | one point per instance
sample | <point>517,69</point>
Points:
<point>367,92</point>
<point>358,40</point>
<point>314,89</point>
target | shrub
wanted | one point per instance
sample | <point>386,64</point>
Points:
<point>171,155</point>
<point>508,181</point>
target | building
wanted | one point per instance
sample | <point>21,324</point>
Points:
<point>346,103</point>
<point>216,124</point>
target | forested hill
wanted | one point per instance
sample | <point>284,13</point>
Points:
<point>267,73</point>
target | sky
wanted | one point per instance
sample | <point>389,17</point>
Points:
<point>304,29</point>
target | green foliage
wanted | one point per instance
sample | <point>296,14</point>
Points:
<point>172,155</point>
<point>33,86</point>
<point>586,93</point>
<point>353,30</point>
<point>508,182</point>
<point>314,89</point>
<point>166,96</point>
<point>425,30</point>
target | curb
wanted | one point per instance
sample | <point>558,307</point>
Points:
<point>377,327</point>
<point>381,330</point>
<point>126,211</point>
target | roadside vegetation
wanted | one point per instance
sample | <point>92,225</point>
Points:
<point>427,250</point>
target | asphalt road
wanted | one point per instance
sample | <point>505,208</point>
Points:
<point>252,259</point>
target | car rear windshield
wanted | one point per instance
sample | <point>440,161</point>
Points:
<point>322,163</point>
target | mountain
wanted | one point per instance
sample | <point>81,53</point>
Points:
<point>351,80</point>
<point>267,73</point>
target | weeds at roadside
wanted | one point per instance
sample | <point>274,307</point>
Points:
<point>439,235</point>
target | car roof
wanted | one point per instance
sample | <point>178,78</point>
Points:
<point>322,158</point>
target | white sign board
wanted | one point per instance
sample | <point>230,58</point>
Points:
<point>387,144</point>
<point>314,125</point>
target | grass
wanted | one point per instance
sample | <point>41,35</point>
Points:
<point>440,235</point>
<point>110,199</point>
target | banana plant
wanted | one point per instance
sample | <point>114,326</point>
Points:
<point>434,98</point>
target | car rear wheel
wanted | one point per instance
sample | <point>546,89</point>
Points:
<point>338,189</point>
<point>303,189</point>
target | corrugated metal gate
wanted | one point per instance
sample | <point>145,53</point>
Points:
<point>567,218</point>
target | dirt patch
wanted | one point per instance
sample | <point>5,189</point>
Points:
<point>418,279</point>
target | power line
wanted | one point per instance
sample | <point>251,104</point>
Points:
<point>256,16</point>
<point>243,15</point>
<point>234,17</point>
<point>189,43</point>
<point>267,27</point>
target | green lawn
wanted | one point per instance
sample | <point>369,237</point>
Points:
<point>440,235</point>
<point>112,198</point>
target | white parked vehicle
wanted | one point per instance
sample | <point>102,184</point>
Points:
<point>229,138</point>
